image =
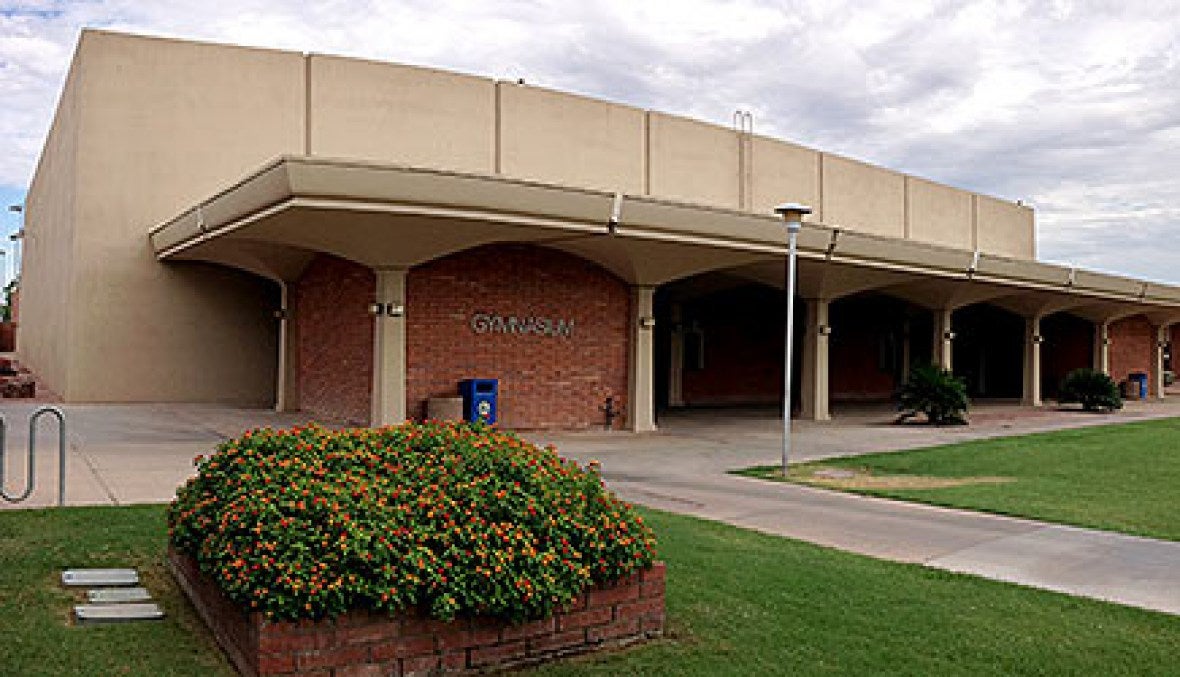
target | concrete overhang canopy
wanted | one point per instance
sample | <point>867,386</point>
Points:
<point>394,216</point>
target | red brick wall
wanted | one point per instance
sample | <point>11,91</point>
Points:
<point>855,369</point>
<point>330,306</point>
<point>361,644</point>
<point>1068,345</point>
<point>545,381</point>
<point>742,335</point>
<point>1132,347</point>
<point>864,349</point>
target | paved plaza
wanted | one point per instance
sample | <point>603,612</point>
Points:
<point>122,454</point>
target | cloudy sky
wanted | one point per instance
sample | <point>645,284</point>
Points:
<point>1073,107</point>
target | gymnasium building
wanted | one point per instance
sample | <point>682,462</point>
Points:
<point>212,223</point>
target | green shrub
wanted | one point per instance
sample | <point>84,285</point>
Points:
<point>935,392</point>
<point>437,518</point>
<point>1094,390</point>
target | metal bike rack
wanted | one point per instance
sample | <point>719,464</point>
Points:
<point>31,472</point>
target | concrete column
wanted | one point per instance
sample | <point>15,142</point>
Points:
<point>641,403</point>
<point>676,358</point>
<point>943,339</point>
<point>283,350</point>
<point>389,349</point>
<point>1157,362</point>
<point>1102,347</point>
<point>1032,361</point>
<point>813,381</point>
<point>906,353</point>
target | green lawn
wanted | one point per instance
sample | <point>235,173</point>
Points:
<point>1122,477</point>
<point>738,602</point>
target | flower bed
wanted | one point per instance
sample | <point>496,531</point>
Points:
<point>420,521</point>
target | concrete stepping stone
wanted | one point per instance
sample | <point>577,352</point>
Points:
<point>118,595</point>
<point>117,613</point>
<point>95,578</point>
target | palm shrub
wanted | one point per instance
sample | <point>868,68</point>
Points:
<point>438,519</point>
<point>1093,389</point>
<point>937,393</point>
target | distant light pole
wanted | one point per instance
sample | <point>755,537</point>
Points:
<point>16,238</point>
<point>793,214</point>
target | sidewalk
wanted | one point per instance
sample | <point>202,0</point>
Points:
<point>684,469</point>
<point>141,453</point>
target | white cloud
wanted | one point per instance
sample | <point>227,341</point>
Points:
<point>1070,105</point>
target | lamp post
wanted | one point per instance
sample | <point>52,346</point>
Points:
<point>16,238</point>
<point>793,214</point>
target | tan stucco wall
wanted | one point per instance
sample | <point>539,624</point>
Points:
<point>387,112</point>
<point>862,197</point>
<point>693,161</point>
<point>1005,228</point>
<point>562,138</point>
<point>47,260</point>
<point>938,214</point>
<point>165,123</point>
<point>784,172</point>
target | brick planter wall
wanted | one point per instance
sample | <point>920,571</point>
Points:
<point>363,644</point>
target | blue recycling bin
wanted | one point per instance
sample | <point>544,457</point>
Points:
<point>1140,378</point>
<point>480,399</point>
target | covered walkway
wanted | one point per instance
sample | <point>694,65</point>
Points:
<point>872,306</point>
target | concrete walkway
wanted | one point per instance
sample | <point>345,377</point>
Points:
<point>684,469</point>
<point>141,453</point>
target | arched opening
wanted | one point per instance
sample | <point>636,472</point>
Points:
<point>989,351</point>
<point>719,343</point>
<point>875,340</point>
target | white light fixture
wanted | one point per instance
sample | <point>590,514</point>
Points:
<point>647,322</point>
<point>792,213</point>
<point>378,309</point>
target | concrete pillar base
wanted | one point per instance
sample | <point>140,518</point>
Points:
<point>284,348</point>
<point>676,358</point>
<point>641,404</point>
<point>944,336</point>
<point>1032,362</point>
<point>1102,347</point>
<point>1157,360</point>
<point>814,378</point>
<point>389,350</point>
